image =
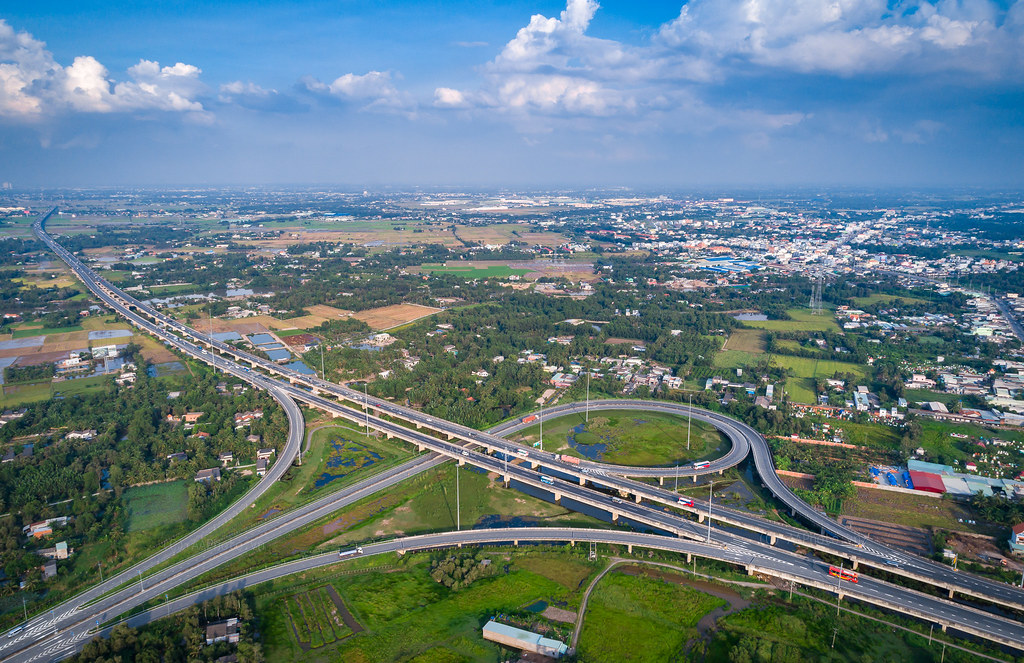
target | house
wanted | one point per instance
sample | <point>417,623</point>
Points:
<point>81,435</point>
<point>226,458</point>
<point>246,418</point>
<point>1017,538</point>
<point>265,454</point>
<point>261,466</point>
<point>212,474</point>
<point>192,417</point>
<point>177,455</point>
<point>225,631</point>
<point>44,527</point>
<point>59,551</point>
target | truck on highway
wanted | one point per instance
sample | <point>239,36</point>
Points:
<point>529,419</point>
<point>702,464</point>
<point>571,460</point>
<point>349,553</point>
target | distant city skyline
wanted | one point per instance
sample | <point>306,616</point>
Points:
<point>747,93</point>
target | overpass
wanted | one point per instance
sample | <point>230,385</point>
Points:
<point>743,437</point>
<point>637,512</point>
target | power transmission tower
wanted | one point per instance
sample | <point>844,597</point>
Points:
<point>816,303</point>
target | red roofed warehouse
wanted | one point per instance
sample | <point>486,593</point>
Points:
<point>928,482</point>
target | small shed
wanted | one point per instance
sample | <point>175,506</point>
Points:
<point>517,638</point>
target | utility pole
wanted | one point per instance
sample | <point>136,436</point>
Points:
<point>142,587</point>
<point>458,503</point>
<point>323,375</point>
<point>542,422</point>
<point>23,608</point>
<point>213,350</point>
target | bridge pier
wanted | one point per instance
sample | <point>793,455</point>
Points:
<point>506,479</point>
<point>638,498</point>
<point>515,542</point>
<point>950,596</point>
<point>661,481</point>
<point>583,481</point>
<point>615,516</point>
<point>461,462</point>
<point>750,570</point>
<point>558,498</point>
<point>856,563</point>
<point>771,542</point>
<point>629,548</point>
<point>420,447</point>
<point>534,464</point>
<point>943,627</point>
<point>695,478</point>
<point>700,517</point>
<point>689,558</point>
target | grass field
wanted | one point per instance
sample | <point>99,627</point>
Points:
<point>907,509</point>
<point>19,394</point>
<point>630,438</point>
<point>156,505</point>
<point>879,298</point>
<point>471,271</point>
<point>804,370</point>
<point>735,359</point>
<point>632,618</point>
<point>802,320</point>
<point>746,340</point>
<point>408,616</point>
<point>25,333</point>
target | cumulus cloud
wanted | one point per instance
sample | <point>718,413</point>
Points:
<point>850,37</point>
<point>371,91</point>
<point>33,84</point>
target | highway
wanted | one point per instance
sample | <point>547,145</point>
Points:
<point>787,566</point>
<point>563,489</point>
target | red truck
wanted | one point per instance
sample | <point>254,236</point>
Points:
<point>572,460</point>
<point>530,418</point>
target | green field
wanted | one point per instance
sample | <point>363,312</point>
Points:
<point>408,616</point>
<point>25,333</point>
<point>802,320</point>
<point>746,340</point>
<point>632,618</point>
<point>879,298</point>
<point>735,359</point>
<point>803,370</point>
<point>156,505</point>
<point>631,437</point>
<point>285,333</point>
<point>471,272</point>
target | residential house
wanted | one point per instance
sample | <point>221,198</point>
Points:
<point>226,458</point>
<point>261,466</point>
<point>212,474</point>
<point>192,417</point>
<point>225,631</point>
<point>81,435</point>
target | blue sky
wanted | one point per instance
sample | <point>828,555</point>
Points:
<point>654,94</point>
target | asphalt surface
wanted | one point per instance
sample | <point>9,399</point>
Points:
<point>720,540</point>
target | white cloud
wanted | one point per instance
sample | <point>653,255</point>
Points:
<point>446,97</point>
<point>849,37</point>
<point>374,90</point>
<point>33,84</point>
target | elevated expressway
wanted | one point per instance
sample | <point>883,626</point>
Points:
<point>659,519</point>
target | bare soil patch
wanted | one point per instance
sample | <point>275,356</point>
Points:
<point>387,317</point>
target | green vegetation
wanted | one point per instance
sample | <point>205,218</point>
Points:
<point>632,618</point>
<point>471,272</point>
<point>800,319</point>
<point>631,438</point>
<point>40,331</point>
<point>156,505</point>
<point>882,298</point>
<point>803,630</point>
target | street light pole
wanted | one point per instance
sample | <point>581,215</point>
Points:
<point>710,496</point>
<point>689,414</point>
<point>366,410</point>
<point>323,375</point>
<point>542,422</point>
<point>588,395</point>
<point>458,503</point>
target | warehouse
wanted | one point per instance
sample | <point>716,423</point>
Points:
<point>928,482</point>
<point>517,638</point>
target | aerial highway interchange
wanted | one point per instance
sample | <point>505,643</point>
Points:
<point>746,541</point>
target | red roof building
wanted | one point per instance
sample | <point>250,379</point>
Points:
<point>928,482</point>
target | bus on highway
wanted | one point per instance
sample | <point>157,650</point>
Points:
<point>702,464</point>
<point>842,574</point>
<point>546,479</point>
